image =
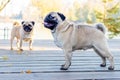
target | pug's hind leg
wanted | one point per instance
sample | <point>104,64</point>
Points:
<point>103,58</point>
<point>104,51</point>
<point>68,57</point>
<point>11,43</point>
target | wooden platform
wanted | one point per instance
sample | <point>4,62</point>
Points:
<point>44,62</point>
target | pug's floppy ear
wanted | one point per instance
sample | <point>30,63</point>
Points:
<point>33,23</point>
<point>22,22</point>
<point>61,15</point>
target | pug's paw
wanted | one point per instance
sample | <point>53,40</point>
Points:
<point>65,66</point>
<point>110,68</point>
<point>11,48</point>
<point>21,49</point>
<point>103,65</point>
<point>31,49</point>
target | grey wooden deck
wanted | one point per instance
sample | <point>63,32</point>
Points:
<point>44,61</point>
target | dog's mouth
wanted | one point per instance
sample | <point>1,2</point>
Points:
<point>48,24</point>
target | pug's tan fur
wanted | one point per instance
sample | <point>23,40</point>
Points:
<point>18,33</point>
<point>71,36</point>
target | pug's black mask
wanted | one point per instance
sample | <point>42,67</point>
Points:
<point>52,20</point>
<point>28,26</point>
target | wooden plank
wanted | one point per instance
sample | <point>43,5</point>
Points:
<point>62,76</point>
<point>45,61</point>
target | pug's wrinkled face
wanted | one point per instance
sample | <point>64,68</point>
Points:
<point>53,19</point>
<point>28,25</point>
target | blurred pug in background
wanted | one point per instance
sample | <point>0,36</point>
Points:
<point>23,33</point>
<point>72,36</point>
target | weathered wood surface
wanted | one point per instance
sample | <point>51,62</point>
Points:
<point>44,61</point>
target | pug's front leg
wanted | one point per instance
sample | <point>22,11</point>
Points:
<point>68,57</point>
<point>20,45</point>
<point>30,45</point>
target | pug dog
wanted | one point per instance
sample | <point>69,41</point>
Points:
<point>24,33</point>
<point>71,36</point>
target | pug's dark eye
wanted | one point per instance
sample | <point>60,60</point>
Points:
<point>29,25</point>
<point>24,25</point>
<point>52,17</point>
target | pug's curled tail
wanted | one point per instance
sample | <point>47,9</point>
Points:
<point>101,27</point>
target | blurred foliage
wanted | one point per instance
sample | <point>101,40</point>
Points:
<point>84,13</point>
<point>46,6</point>
<point>106,1</point>
<point>105,11</point>
<point>110,17</point>
<point>3,3</point>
